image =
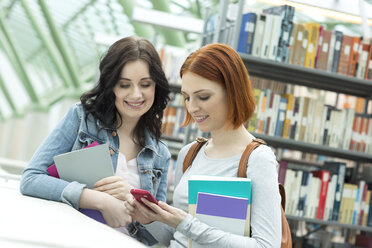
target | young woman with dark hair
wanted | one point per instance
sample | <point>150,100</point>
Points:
<point>219,98</point>
<point>124,110</point>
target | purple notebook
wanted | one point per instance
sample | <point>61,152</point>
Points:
<point>92,213</point>
<point>227,213</point>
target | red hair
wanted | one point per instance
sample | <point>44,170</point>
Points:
<point>220,63</point>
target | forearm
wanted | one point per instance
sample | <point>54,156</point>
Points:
<point>161,232</point>
<point>211,236</point>
<point>92,199</point>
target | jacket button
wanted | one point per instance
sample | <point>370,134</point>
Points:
<point>111,152</point>
<point>113,133</point>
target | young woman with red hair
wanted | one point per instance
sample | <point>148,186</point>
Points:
<point>219,98</point>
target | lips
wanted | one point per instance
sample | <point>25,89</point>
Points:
<point>200,118</point>
<point>135,105</point>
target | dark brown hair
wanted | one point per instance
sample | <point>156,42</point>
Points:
<point>100,101</point>
<point>220,63</point>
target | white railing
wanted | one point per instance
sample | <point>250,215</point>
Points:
<point>12,163</point>
<point>7,165</point>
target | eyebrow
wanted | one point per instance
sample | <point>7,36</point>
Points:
<point>198,91</point>
<point>127,79</point>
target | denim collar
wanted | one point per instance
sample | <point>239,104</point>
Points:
<point>151,142</point>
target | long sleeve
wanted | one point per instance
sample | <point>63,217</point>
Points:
<point>265,211</point>
<point>36,180</point>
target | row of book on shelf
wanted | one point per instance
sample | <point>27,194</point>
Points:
<point>310,120</point>
<point>221,202</point>
<point>272,34</point>
<point>324,194</point>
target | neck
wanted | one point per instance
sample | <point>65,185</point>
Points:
<point>231,137</point>
<point>127,127</point>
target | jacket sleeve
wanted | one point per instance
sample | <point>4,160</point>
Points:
<point>35,178</point>
<point>265,210</point>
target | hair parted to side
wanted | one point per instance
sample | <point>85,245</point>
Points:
<point>100,101</point>
<point>220,63</point>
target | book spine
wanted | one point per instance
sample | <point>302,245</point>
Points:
<point>346,47</point>
<point>251,32</point>
<point>336,52</point>
<point>338,192</point>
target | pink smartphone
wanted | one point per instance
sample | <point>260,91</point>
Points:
<point>140,193</point>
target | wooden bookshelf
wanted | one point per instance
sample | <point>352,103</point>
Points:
<point>276,141</point>
<point>329,223</point>
<point>313,78</point>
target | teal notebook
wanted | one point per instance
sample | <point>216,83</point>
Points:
<point>229,186</point>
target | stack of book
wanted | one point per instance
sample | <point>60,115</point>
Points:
<point>221,202</point>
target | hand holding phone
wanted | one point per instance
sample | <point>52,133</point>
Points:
<point>140,193</point>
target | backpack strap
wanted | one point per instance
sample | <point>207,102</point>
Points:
<point>242,170</point>
<point>193,151</point>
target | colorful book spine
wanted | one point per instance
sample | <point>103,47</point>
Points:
<point>311,49</point>
<point>322,60</point>
<point>346,47</point>
<point>251,32</point>
<point>287,14</point>
<point>354,56</point>
<point>339,169</point>
<point>324,181</point>
<point>369,63</point>
<point>336,51</point>
<point>281,116</point>
<point>246,28</point>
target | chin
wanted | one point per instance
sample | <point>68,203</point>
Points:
<point>203,129</point>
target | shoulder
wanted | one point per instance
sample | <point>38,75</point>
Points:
<point>263,157</point>
<point>163,149</point>
<point>76,109</point>
<point>184,150</point>
<point>263,151</point>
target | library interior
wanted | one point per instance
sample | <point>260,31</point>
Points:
<point>310,71</point>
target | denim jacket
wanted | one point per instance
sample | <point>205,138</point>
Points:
<point>73,133</point>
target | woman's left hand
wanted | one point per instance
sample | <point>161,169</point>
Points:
<point>115,186</point>
<point>163,212</point>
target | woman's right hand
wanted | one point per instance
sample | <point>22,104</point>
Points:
<point>135,212</point>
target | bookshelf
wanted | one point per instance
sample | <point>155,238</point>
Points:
<point>303,76</point>
<point>294,75</point>
<point>309,77</point>
<point>299,75</point>
<point>329,223</point>
<point>280,142</point>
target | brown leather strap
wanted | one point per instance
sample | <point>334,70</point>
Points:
<point>282,194</point>
<point>193,151</point>
<point>242,170</point>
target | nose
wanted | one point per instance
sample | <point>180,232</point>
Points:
<point>136,92</point>
<point>192,106</point>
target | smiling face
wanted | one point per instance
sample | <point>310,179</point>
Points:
<point>206,101</point>
<point>135,90</point>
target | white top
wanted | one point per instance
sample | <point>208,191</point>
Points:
<point>128,171</point>
<point>265,211</point>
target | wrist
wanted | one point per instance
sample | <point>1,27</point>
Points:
<point>93,199</point>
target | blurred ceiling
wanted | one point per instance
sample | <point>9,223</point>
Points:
<point>50,49</point>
